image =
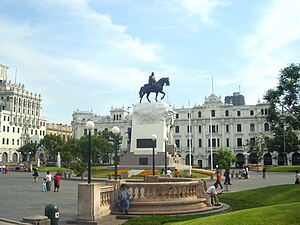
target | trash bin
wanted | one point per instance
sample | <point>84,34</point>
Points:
<point>51,211</point>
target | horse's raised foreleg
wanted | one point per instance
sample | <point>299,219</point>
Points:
<point>163,95</point>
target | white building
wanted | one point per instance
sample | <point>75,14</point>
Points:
<point>21,118</point>
<point>201,129</point>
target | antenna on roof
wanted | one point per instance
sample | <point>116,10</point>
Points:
<point>16,73</point>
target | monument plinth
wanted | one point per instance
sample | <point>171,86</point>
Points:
<point>147,119</point>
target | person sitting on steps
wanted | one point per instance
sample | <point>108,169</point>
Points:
<point>124,196</point>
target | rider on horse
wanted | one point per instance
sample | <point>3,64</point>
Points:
<point>151,79</point>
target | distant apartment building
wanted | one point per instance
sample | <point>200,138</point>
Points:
<point>21,119</point>
<point>201,130</point>
<point>235,99</point>
<point>62,130</point>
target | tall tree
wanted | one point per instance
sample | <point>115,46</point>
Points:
<point>283,140</point>
<point>256,146</point>
<point>225,159</point>
<point>51,143</point>
<point>285,99</point>
<point>28,150</point>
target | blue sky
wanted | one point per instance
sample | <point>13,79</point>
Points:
<point>95,54</point>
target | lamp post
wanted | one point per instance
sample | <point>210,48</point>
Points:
<point>246,157</point>
<point>90,126</point>
<point>165,140</point>
<point>116,130</point>
<point>153,137</point>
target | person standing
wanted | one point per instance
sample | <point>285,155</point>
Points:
<point>297,181</point>
<point>57,178</point>
<point>35,175</point>
<point>169,172</point>
<point>176,173</point>
<point>218,181</point>
<point>48,180</point>
<point>6,169</point>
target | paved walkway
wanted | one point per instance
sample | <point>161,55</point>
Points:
<point>21,197</point>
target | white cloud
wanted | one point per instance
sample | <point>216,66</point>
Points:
<point>269,47</point>
<point>202,8</point>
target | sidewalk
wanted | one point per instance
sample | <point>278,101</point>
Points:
<point>21,197</point>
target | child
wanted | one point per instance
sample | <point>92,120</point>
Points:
<point>44,187</point>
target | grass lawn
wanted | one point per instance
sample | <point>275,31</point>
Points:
<point>283,168</point>
<point>275,214</point>
<point>253,200</point>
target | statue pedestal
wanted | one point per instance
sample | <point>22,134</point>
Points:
<point>147,119</point>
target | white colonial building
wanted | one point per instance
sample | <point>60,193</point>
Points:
<point>21,118</point>
<point>201,130</point>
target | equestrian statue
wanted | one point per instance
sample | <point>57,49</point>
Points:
<point>153,86</point>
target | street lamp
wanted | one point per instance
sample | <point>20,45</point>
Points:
<point>90,126</point>
<point>153,137</point>
<point>116,130</point>
<point>165,140</point>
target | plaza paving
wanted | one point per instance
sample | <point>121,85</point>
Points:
<point>21,197</point>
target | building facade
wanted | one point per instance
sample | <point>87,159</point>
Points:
<point>21,119</point>
<point>62,130</point>
<point>201,131</point>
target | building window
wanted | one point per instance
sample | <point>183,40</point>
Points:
<point>85,132</point>
<point>226,113</point>
<point>3,141</point>
<point>227,142</point>
<point>7,128</point>
<point>3,128</point>
<point>199,129</point>
<point>238,113</point>
<point>199,114</point>
<point>227,127</point>
<point>200,143</point>
<point>189,115</point>
<point>239,128</point>
<point>177,116</point>
<point>213,142</point>
<point>177,129</point>
<point>266,127</point>
<point>4,118</point>
<point>177,143</point>
<point>18,142</point>
<point>213,113</point>
<point>252,127</point>
<point>189,143</point>
<point>13,141</point>
<point>239,142</point>
<point>251,112</point>
<point>13,129</point>
<point>262,111</point>
<point>266,111</point>
<point>189,129</point>
<point>7,141</point>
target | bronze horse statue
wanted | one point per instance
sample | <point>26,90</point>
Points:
<point>155,88</point>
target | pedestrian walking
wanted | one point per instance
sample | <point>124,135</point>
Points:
<point>264,170</point>
<point>218,181</point>
<point>227,177</point>
<point>169,172</point>
<point>35,175</point>
<point>48,180</point>
<point>57,178</point>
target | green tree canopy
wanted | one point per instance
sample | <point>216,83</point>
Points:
<point>51,144</point>
<point>285,99</point>
<point>256,146</point>
<point>224,158</point>
<point>283,140</point>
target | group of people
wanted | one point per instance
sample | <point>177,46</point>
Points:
<point>4,169</point>
<point>169,172</point>
<point>46,186</point>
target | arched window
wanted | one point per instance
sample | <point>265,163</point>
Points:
<point>199,114</point>
<point>266,127</point>
<point>252,127</point>
<point>226,113</point>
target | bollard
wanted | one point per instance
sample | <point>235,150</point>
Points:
<point>51,211</point>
